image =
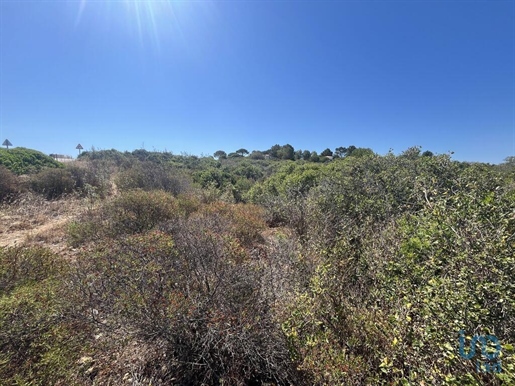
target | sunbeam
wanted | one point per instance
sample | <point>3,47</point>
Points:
<point>146,20</point>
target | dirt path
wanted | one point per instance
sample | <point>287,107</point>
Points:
<point>18,237</point>
<point>33,221</point>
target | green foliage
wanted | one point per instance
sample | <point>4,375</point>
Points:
<point>20,160</point>
<point>361,152</point>
<point>409,251</point>
<point>213,177</point>
<point>220,154</point>
<point>460,256</point>
<point>327,153</point>
<point>286,152</point>
<point>258,155</point>
<point>314,157</point>
<point>113,156</point>
<point>242,152</point>
<point>39,346</point>
<point>80,177</point>
<point>23,266</point>
<point>373,265</point>
<point>90,177</point>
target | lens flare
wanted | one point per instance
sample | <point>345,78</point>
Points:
<point>149,20</point>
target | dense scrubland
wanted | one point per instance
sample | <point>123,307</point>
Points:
<point>284,268</point>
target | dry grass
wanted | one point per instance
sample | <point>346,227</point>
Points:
<point>32,219</point>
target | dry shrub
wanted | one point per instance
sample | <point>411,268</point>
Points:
<point>153,176</point>
<point>132,212</point>
<point>246,220</point>
<point>89,178</point>
<point>9,185</point>
<point>52,183</point>
<point>194,297</point>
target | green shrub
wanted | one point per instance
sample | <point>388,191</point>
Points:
<point>26,161</point>
<point>139,211</point>
<point>38,343</point>
<point>22,265</point>
<point>408,253</point>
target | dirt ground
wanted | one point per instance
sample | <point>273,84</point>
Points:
<point>31,220</point>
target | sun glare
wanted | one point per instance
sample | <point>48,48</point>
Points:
<point>148,20</point>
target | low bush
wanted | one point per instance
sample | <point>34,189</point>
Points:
<point>53,183</point>
<point>21,266</point>
<point>245,221</point>
<point>88,180</point>
<point>132,212</point>
<point>38,343</point>
<point>192,297</point>
<point>152,176</point>
<point>9,185</point>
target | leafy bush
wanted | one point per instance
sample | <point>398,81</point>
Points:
<point>414,251</point>
<point>20,160</point>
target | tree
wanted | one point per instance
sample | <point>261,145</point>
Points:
<point>220,154</point>
<point>286,152</point>
<point>242,152</point>
<point>427,153</point>
<point>349,150</point>
<point>306,155</point>
<point>339,152</point>
<point>344,151</point>
<point>256,155</point>
<point>273,151</point>
<point>314,157</point>
<point>327,153</point>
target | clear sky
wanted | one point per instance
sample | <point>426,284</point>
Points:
<point>198,76</point>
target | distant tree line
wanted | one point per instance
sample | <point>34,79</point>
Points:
<point>288,152</point>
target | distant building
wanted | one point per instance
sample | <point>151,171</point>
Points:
<point>61,157</point>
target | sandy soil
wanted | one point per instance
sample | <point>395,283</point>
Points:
<point>34,221</point>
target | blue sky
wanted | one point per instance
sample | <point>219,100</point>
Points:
<point>198,76</point>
